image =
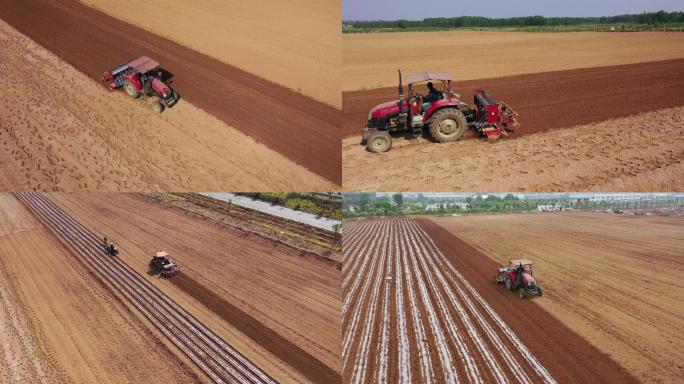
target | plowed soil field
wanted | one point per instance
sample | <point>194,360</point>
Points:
<point>371,60</point>
<point>60,324</point>
<point>296,43</point>
<point>637,153</point>
<point>279,309</point>
<point>614,280</point>
<point>298,127</point>
<point>419,306</point>
<point>66,137</point>
<point>556,99</point>
<point>591,104</point>
<point>554,81</point>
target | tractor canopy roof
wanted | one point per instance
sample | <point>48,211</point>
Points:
<point>162,254</point>
<point>524,262</point>
<point>143,64</point>
<point>428,75</point>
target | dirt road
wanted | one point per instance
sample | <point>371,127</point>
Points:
<point>627,303</point>
<point>294,125</point>
<point>417,312</point>
<point>635,153</point>
<point>242,287</point>
<point>65,137</point>
<point>555,99</point>
<point>60,324</point>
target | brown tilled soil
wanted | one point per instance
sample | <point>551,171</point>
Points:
<point>295,297</point>
<point>315,370</point>
<point>245,224</point>
<point>635,153</point>
<point>295,43</point>
<point>568,357</point>
<point>371,60</point>
<point>60,324</point>
<point>65,136</point>
<point>554,99</point>
<point>294,125</point>
<point>628,299</point>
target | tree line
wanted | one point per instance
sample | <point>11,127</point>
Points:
<point>365,204</point>
<point>652,18</point>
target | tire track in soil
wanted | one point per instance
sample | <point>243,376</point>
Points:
<point>300,128</point>
<point>264,336</point>
<point>567,356</point>
<point>558,99</point>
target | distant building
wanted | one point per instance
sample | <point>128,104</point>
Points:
<point>610,197</point>
<point>549,207</point>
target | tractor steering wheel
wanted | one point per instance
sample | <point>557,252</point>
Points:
<point>418,96</point>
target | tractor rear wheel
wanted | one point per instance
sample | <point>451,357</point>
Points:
<point>379,142</point>
<point>509,285</point>
<point>130,89</point>
<point>447,125</point>
<point>158,107</point>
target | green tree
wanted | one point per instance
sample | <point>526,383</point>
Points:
<point>364,200</point>
<point>398,199</point>
<point>336,228</point>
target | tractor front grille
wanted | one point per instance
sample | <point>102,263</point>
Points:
<point>374,123</point>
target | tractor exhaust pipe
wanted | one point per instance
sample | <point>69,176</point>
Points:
<point>401,88</point>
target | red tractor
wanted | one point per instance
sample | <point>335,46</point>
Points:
<point>142,77</point>
<point>447,118</point>
<point>162,264</point>
<point>517,275</point>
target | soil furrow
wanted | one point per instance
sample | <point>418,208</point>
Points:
<point>294,125</point>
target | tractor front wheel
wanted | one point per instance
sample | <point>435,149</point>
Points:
<point>448,125</point>
<point>130,89</point>
<point>379,142</point>
<point>158,107</point>
<point>509,284</point>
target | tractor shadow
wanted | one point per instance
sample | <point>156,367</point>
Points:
<point>165,75</point>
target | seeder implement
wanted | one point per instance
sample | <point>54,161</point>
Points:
<point>492,119</point>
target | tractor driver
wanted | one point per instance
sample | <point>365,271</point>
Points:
<point>432,96</point>
<point>518,272</point>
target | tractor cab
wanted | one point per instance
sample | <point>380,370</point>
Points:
<point>446,95</point>
<point>162,264</point>
<point>517,275</point>
<point>412,113</point>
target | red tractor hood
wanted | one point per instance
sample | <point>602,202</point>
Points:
<point>160,88</point>
<point>528,279</point>
<point>389,108</point>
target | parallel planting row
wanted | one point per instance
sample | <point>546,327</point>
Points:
<point>214,356</point>
<point>410,316</point>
